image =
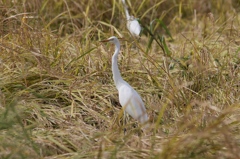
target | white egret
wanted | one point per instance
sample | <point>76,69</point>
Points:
<point>129,99</point>
<point>132,23</point>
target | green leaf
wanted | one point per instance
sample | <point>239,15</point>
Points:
<point>164,27</point>
<point>166,49</point>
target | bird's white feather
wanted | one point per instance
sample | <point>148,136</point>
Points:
<point>132,103</point>
<point>132,23</point>
<point>129,99</point>
<point>134,27</point>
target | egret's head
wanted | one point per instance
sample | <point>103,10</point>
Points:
<point>112,39</point>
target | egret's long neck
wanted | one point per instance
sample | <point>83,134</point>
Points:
<point>126,10</point>
<point>116,73</point>
<point>127,14</point>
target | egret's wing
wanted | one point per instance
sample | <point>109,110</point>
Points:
<point>132,103</point>
<point>134,27</point>
<point>125,94</point>
<point>141,110</point>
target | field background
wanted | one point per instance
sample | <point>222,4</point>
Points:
<point>58,99</point>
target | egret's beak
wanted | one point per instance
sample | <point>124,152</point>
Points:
<point>107,40</point>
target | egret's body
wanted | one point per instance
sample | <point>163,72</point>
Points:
<point>129,99</point>
<point>132,23</point>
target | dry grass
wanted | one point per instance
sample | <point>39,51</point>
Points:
<point>58,100</point>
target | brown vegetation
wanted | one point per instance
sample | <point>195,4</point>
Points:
<point>58,100</point>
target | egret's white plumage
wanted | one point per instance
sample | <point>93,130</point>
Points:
<point>132,23</point>
<point>126,10</point>
<point>129,99</point>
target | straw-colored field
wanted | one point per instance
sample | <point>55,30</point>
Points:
<point>58,99</point>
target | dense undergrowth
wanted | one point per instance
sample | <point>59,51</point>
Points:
<point>58,100</point>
